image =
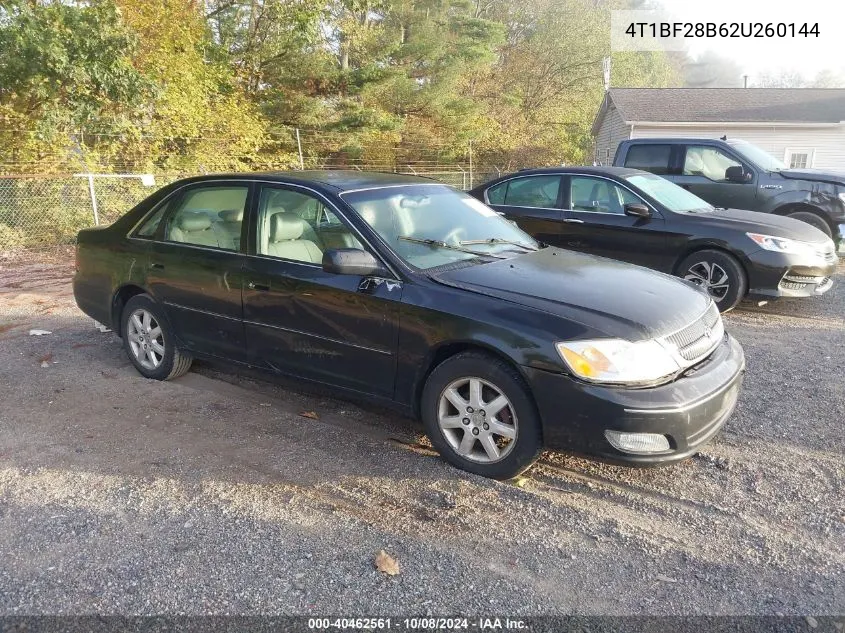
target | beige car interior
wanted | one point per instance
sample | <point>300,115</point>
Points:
<point>210,216</point>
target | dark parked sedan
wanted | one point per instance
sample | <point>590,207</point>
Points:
<point>641,218</point>
<point>411,293</point>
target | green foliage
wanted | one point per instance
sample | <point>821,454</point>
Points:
<point>181,86</point>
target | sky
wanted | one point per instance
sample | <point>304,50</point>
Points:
<point>773,56</point>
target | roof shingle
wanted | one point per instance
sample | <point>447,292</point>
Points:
<point>723,105</point>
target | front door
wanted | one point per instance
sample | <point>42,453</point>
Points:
<point>703,173</point>
<point>195,267</point>
<point>339,329</point>
<point>595,222</point>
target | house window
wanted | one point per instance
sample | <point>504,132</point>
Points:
<point>799,158</point>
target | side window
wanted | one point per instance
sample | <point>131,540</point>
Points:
<point>209,216</point>
<point>710,162</point>
<point>148,228</point>
<point>533,191</point>
<point>597,195</point>
<point>299,227</point>
<point>653,158</point>
<point>496,193</point>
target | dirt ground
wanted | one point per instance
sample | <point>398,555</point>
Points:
<point>213,494</point>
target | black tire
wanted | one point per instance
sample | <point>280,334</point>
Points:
<point>173,362</point>
<point>696,266</point>
<point>813,220</point>
<point>521,411</point>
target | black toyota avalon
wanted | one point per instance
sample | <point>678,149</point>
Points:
<point>644,219</point>
<point>411,293</point>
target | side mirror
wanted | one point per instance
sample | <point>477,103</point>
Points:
<point>637,210</point>
<point>351,261</point>
<point>737,173</point>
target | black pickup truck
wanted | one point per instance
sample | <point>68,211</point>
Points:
<point>731,173</point>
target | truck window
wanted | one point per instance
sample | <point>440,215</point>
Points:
<point>710,162</point>
<point>653,158</point>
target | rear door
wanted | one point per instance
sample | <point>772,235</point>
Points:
<point>656,158</point>
<point>597,223</point>
<point>301,320</point>
<point>195,266</point>
<point>533,202</point>
<point>703,170</point>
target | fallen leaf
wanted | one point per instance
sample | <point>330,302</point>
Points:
<point>663,578</point>
<point>78,345</point>
<point>44,360</point>
<point>386,563</point>
<point>5,327</point>
<point>520,482</point>
<point>309,414</point>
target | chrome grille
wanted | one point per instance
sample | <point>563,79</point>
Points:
<point>700,337</point>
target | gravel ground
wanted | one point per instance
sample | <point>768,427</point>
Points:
<point>213,495</point>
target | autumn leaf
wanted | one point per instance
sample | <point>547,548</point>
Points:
<point>386,564</point>
<point>309,414</point>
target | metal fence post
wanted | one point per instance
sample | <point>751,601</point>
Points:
<point>93,199</point>
<point>299,148</point>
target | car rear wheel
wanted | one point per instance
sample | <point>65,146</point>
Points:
<point>813,220</point>
<point>149,342</point>
<point>718,273</point>
<point>481,417</point>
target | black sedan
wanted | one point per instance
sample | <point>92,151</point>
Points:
<point>644,219</point>
<point>410,293</point>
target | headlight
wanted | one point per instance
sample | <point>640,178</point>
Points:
<point>617,361</point>
<point>782,244</point>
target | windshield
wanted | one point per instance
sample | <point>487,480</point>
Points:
<point>433,225</point>
<point>759,157</point>
<point>670,195</point>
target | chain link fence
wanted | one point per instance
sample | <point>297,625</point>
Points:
<point>42,212</point>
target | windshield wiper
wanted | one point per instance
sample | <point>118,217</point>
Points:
<point>442,244</point>
<point>498,240</point>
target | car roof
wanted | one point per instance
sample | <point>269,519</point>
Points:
<point>338,181</point>
<point>677,140</point>
<point>590,170</point>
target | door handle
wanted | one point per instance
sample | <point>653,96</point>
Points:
<point>254,286</point>
<point>573,221</point>
<point>157,265</point>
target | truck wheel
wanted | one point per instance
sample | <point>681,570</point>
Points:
<point>718,273</point>
<point>813,220</point>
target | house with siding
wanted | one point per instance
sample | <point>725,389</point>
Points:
<point>801,126</point>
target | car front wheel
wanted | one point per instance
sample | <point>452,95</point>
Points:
<point>481,417</point>
<point>720,274</point>
<point>149,342</point>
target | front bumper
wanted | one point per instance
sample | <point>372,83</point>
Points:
<point>773,274</point>
<point>840,239</point>
<point>688,411</point>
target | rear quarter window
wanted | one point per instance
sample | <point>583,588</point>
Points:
<point>653,158</point>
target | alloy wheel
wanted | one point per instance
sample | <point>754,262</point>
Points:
<point>145,339</point>
<point>710,276</point>
<point>477,420</point>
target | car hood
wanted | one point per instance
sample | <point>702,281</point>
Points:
<point>835,177</point>
<point>617,299</point>
<point>765,223</point>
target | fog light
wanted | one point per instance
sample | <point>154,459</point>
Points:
<point>642,443</point>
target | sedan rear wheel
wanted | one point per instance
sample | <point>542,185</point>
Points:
<point>149,342</point>
<point>720,274</point>
<point>480,416</point>
<point>813,220</point>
